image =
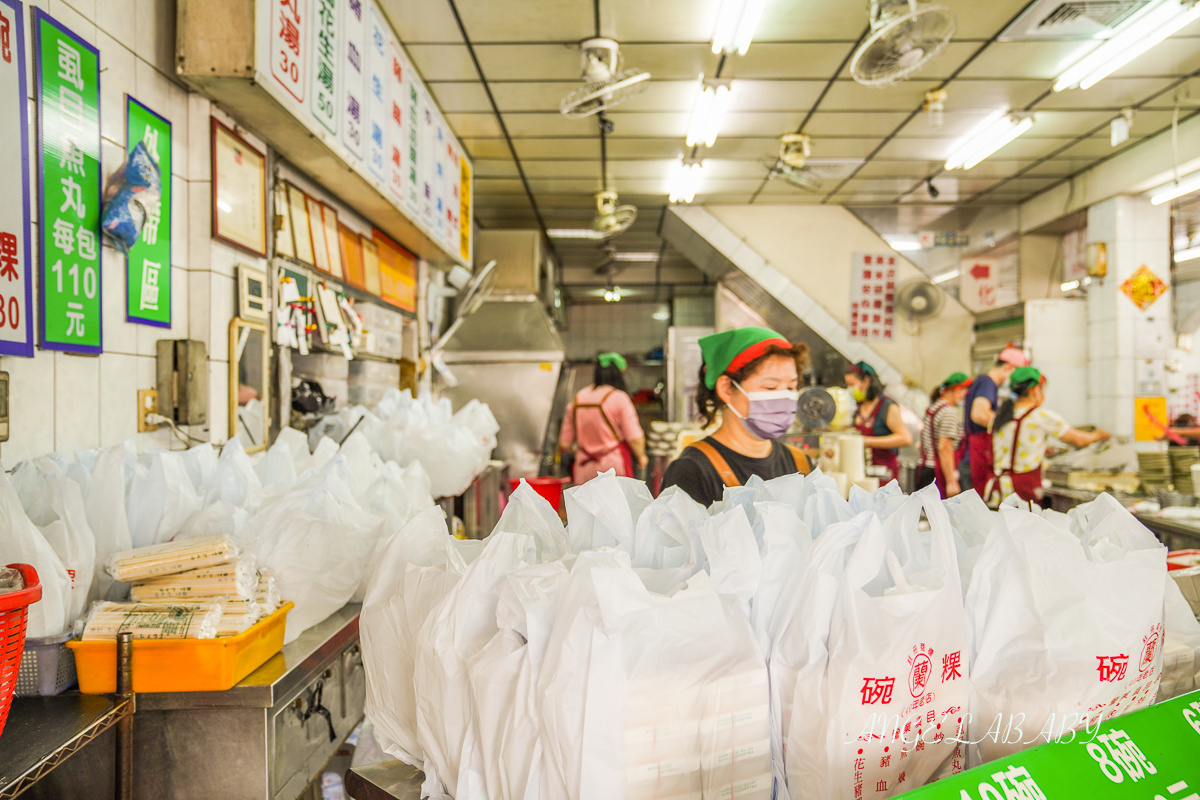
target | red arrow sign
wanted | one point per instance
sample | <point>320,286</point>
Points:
<point>981,271</point>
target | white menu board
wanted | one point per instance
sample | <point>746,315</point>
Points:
<point>345,76</point>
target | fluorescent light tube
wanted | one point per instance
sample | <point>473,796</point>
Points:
<point>1190,254</point>
<point>634,257</point>
<point>708,112</point>
<point>1069,286</point>
<point>989,136</point>
<point>946,276</point>
<point>903,244</point>
<point>737,20</point>
<point>686,180</point>
<point>574,233</point>
<point>1170,191</point>
<point>1130,40</point>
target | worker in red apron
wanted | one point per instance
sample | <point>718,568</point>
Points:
<point>941,435</point>
<point>602,426</point>
<point>1021,433</point>
<point>878,418</point>
<point>982,402</point>
<point>750,376</point>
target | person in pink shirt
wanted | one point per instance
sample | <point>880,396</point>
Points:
<point>602,426</point>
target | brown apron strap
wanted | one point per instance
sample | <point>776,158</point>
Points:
<point>599,407</point>
<point>803,464</point>
<point>718,461</point>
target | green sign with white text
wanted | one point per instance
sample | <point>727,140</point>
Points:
<point>68,98</point>
<point>1152,753</point>
<point>148,293</point>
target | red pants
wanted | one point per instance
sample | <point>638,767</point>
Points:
<point>979,448</point>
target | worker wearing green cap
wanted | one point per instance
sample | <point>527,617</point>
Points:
<point>1021,433</point>
<point>601,426</point>
<point>750,376</point>
<point>942,434</point>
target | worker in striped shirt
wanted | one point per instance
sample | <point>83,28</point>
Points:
<point>942,434</point>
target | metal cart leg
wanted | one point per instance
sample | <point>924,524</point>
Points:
<point>124,788</point>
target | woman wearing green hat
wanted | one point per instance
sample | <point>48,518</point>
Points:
<point>878,418</point>
<point>752,374</point>
<point>602,425</point>
<point>1021,432</point>
<point>941,435</point>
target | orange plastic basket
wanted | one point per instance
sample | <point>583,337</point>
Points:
<point>14,611</point>
<point>182,665</point>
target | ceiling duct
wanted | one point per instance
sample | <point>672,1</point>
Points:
<point>1075,19</point>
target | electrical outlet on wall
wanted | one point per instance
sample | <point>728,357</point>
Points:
<point>147,405</point>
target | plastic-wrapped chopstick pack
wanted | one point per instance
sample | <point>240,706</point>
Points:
<point>151,620</point>
<point>171,558</point>
<point>235,579</point>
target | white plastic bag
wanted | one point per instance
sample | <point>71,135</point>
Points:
<point>646,696</point>
<point>1181,648</point>
<point>317,540</point>
<point>413,573</point>
<point>235,482</point>
<point>1064,626</point>
<point>22,543</point>
<point>604,512</point>
<point>59,513</point>
<point>896,665</point>
<point>161,497</point>
<point>105,503</point>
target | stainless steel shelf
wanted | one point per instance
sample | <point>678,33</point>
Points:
<point>42,732</point>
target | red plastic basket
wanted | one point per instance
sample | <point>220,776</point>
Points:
<point>14,610</point>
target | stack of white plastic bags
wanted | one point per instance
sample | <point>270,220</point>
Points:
<point>783,643</point>
<point>452,447</point>
<point>315,519</point>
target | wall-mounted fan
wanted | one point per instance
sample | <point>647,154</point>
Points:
<point>919,300</point>
<point>794,150</point>
<point>905,36</point>
<point>605,83</point>
<point>611,218</point>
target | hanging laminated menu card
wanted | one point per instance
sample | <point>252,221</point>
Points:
<point>317,226</point>
<point>370,265</point>
<point>352,256</point>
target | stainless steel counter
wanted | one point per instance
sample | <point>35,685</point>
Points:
<point>264,739</point>
<point>390,780</point>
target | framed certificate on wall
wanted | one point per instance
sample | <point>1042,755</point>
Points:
<point>239,176</point>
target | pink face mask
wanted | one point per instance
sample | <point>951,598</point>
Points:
<point>770,413</point>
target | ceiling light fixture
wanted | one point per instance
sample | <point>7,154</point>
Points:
<point>902,243</point>
<point>737,21</point>
<point>1191,254</point>
<point>574,233</point>
<point>646,256</point>
<point>998,129</point>
<point>1132,38</point>
<point>1069,286</point>
<point>709,110</point>
<point>686,180</point>
<point>1170,191</point>
<point>946,276</point>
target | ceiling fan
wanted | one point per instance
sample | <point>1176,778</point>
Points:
<point>905,36</point>
<point>605,83</point>
<point>794,151</point>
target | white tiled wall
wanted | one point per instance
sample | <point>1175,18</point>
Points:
<point>67,402</point>
<point>1136,233</point>
<point>627,328</point>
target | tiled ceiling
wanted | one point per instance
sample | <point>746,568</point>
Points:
<point>535,167</point>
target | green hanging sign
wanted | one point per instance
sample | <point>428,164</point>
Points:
<point>68,99</point>
<point>1152,753</point>
<point>148,286</point>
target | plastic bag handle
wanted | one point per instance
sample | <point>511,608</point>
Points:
<point>871,554</point>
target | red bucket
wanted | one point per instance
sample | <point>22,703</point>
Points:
<point>549,488</point>
<point>14,608</point>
